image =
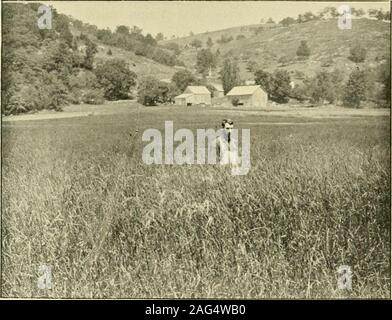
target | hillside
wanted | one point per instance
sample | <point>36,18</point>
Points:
<point>50,68</point>
<point>140,65</point>
<point>275,48</point>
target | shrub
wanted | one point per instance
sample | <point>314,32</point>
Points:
<point>148,91</point>
<point>303,50</point>
<point>182,79</point>
<point>357,53</point>
<point>93,96</point>
<point>325,86</point>
<point>277,84</point>
<point>356,88</point>
<point>235,102</point>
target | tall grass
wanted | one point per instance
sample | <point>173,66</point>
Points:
<point>77,197</point>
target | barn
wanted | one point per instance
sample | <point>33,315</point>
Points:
<point>248,96</point>
<point>218,90</point>
<point>194,95</point>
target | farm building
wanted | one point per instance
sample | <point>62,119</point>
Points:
<point>194,95</point>
<point>218,90</point>
<point>248,96</point>
<point>165,80</point>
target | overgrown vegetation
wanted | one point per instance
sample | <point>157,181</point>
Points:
<point>49,68</point>
<point>317,197</point>
<point>46,69</point>
<point>357,53</point>
<point>277,84</point>
<point>114,75</point>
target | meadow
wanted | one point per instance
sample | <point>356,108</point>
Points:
<point>77,197</point>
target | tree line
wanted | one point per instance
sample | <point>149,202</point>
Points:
<point>44,69</point>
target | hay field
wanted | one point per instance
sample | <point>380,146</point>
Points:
<point>77,197</point>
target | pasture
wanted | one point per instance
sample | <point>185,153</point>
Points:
<point>77,197</point>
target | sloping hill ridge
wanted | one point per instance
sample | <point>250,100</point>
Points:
<point>142,66</point>
<point>275,48</point>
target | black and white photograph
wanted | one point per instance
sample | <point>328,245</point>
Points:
<point>220,150</point>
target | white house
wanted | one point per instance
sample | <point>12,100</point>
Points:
<point>194,95</point>
<point>248,96</point>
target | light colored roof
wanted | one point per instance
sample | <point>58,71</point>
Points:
<point>243,90</point>
<point>182,96</point>
<point>217,86</point>
<point>197,90</point>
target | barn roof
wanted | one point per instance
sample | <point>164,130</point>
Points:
<point>183,95</point>
<point>217,86</point>
<point>243,90</point>
<point>197,90</point>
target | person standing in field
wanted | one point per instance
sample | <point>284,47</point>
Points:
<point>226,146</point>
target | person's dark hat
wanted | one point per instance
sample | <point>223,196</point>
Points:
<point>229,121</point>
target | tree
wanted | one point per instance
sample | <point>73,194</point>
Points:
<point>357,53</point>
<point>264,80</point>
<point>224,39</point>
<point>385,79</point>
<point>357,12</point>
<point>308,16</point>
<point>110,52</point>
<point>230,75</point>
<point>252,66</point>
<point>328,13</point>
<point>284,61</point>
<point>379,14</point>
<point>277,85</point>
<point>325,86</point>
<point>355,89</point>
<point>122,30</point>
<point>287,21</point>
<point>149,40</point>
<point>136,30</point>
<point>62,27</point>
<point>303,50</point>
<point>104,34</point>
<point>182,79</point>
<point>174,47</point>
<point>205,60</point>
<point>115,78</point>
<point>209,42</point>
<point>159,36</point>
<point>196,43</point>
<point>281,86</point>
<point>149,91</point>
<point>91,50</point>
<point>300,18</point>
<point>334,12</point>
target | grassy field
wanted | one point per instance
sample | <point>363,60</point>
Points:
<point>76,196</point>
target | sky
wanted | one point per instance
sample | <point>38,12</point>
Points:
<point>179,18</point>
